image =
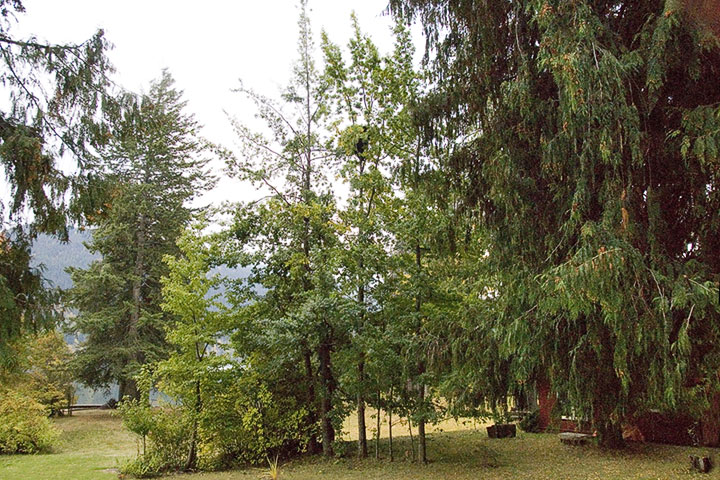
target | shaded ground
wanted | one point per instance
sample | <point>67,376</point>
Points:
<point>93,442</point>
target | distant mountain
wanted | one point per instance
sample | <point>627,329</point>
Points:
<point>55,256</point>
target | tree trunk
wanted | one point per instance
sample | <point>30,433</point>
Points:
<point>422,457</point>
<point>546,400</point>
<point>378,424</point>
<point>362,431</point>
<point>710,423</point>
<point>412,440</point>
<point>327,388</point>
<point>192,454</point>
<point>610,435</point>
<point>392,457</point>
<point>127,387</point>
<point>121,390</point>
<point>191,460</point>
<point>313,445</point>
<point>607,390</point>
<point>137,297</point>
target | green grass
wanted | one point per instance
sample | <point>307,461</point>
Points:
<point>90,443</point>
<point>93,442</point>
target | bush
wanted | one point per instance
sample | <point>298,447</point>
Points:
<point>24,424</point>
<point>531,422</point>
<point>247,424</point>
<point>138,418</point>
<point>241,422</point>
<point>165,434</point>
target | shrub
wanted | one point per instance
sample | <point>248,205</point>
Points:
<point>247,424</point>
<point>165,434</point>
<point>531,422</point>
<point>24,424</point>
<point>138,418</point>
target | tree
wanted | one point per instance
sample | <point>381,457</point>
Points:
<point>42,371</point>
<point>200,319</point>
<point>54,95</point>
<point>590,134</point>
<point>155,166</point>
<point>289,238</point>
<point>361,98</point>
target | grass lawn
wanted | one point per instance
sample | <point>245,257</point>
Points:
<point>93,442</point>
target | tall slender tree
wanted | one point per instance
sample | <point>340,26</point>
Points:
<point>289,238</point>
<point>361,93</point>
<point>190,296</point>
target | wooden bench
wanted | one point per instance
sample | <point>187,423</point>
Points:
<point>569,438</point>
<point>83,406</point>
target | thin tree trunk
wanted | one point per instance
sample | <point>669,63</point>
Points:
<point>422,457</point>
<point>313,445</point>
<point>328,431</point>
<point>362,430</point>
<point>192,454</point>
<point>377,436</point>
<point>412,440</point>
<point>392,457</point>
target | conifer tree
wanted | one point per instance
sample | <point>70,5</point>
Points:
<point>52,99</point>
<point>589,132</point>
<point>155,166</point>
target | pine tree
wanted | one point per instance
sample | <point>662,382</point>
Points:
<point>156,165</point>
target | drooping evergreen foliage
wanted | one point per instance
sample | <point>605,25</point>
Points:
<point>155,166</point>
<point>53,98</point>
<point>589,150</point>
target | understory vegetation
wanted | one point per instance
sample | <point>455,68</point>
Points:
<point>93,444</point>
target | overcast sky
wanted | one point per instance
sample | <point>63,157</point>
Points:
<point>207,46</point>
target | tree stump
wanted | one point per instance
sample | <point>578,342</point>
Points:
<point>502,430</point>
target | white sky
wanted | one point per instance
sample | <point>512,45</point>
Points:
<point>207,46</point>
